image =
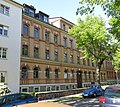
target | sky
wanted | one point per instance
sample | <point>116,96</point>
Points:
<point>59,8</point>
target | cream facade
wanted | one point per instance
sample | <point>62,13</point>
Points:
<point>49,56</point>
<point>10,43</point>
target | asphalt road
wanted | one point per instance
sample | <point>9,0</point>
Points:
<point>87,102</point>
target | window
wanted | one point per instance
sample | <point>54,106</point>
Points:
<point>45,19</point>
<point>93,64</point>
<point>47,55</point>
<point>24,73</point>
<point>84,62</point>
<point>4,10</point>
<point>78,60</point>
<point>71,43</point>
<point>47,74</point>
<point>35,73</point>
<point>55,39</point>
<point>25,29</point>
<point>64,42</point>
<point>89,75</point>
<point>24,90</point>
<point>64,28</point>
<point>65,74</point>
<point>3,53</point>
<point>65,57</point>
<point>56,74</point>
<point>36,89</point>
<point>93,75</point>
<point>47,36</point>
<point>36,53</point>
<point>25,50</point>
<point>36,34</point>
<point>2,77</point>
<point>85,75</point>
<point>56,56</point>
<point>72,74</point>
<point>88,61</point>
<point>71,58</point>
<point>3,30</point>
<point>31,12</point>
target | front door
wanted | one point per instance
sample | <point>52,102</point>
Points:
<point>79,79</point>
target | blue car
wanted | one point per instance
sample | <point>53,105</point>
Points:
<point>93,91</point>
<point>16,99</point>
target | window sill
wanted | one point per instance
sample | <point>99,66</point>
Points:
<point>3,59</point>
<point>3,35</point>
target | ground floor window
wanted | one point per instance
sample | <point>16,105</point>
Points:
<point>24,89</point>
<point>36,89</point>
<point>2,77</point>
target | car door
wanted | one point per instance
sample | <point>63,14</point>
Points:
<point>99,90</point>
<point>20,99</point>
<point>8,101</point>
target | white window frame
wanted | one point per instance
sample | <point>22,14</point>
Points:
<point>3,52</point>
<point>3,28</point>
<point>66,75</point>
<point>25,88</point>
<point>38,89</point>
<point>4,9</point>
<point>4,73</point>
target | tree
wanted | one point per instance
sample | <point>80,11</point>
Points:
<point>116,59</point>
<point>110,7</point>
<point>92,35</point>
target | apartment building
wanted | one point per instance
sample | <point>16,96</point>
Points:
<point>10,43</point>
<point>49,56</point>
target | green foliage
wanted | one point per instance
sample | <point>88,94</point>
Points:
<point>92,35</point>
<point>116,59</point>
<point>94,40</point>
<point>110,7</point>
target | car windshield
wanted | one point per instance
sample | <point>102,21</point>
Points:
<point>113,93</point>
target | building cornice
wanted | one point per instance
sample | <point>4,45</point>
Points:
<point>14,3</point>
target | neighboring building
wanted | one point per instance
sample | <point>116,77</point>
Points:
<point>49,57</point>
<point>10,43</point>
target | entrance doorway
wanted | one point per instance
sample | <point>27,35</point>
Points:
<point>79,79</point>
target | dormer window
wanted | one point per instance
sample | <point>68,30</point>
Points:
<point>31,12</point>
<point>45,19</point>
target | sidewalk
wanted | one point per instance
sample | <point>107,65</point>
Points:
<point>75,95</point>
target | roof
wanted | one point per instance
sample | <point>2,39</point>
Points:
<point>15,3</point>
<point>63,19</point>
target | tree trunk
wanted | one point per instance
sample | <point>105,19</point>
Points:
<point>98,73</point>
<point>98,70</point>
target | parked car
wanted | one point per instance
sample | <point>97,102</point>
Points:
<point>111,97</point>
<point>16,99</point>
<point>44,104</point>
<point>93,91</point>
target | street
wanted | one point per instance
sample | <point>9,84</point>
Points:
<point>86,102</point>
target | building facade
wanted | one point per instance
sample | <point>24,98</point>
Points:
<point>10,43</point>
<point>49,56</point>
